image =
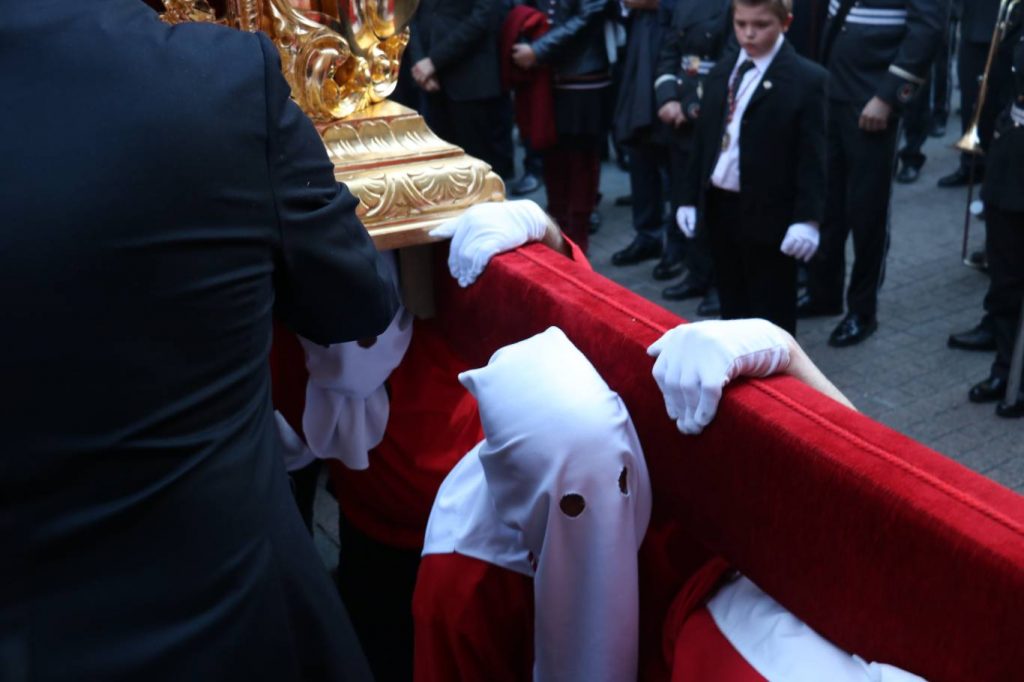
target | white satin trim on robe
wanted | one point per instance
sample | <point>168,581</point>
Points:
<point>554,431</point>
<point>347,406</point>
<point>781,647</point>
<point>296,454</point>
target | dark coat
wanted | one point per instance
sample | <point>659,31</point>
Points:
<point>883,49</point>
<point>782,146</point>
<point>1004,181</point>
<point>635,112</point>
<point>161,196</point>
<point>575,44</point>
<point>697,37</point>
<point>461,38</point>
<point>978,20</point>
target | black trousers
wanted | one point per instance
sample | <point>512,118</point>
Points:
<point>649,181</point>
<point>482,127</point>
<point>860,169</point>
<point>376,583</point>
<point>917,118</point>
<point>1004,244</point>
<point>697,260</point>
<point>754,279</point>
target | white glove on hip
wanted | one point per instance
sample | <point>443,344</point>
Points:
<point>695,361</point>
<point>801,241</point>
<point>686,219</point>
<point>485,230</point>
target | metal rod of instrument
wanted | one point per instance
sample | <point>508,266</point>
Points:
<point>1016,365</point>
<point>970,143</point>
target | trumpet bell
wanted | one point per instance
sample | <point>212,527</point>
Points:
<point>970,143</point>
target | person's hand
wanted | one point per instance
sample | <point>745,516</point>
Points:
<point>488,229</point>
<point>431,85</point>
<point>801,241</point>
<point>422,71</point>
<point>686,219</point>
<point>671,113</point>
<point>875,116</point>
<point>695,361</point>
<point>523,56</point>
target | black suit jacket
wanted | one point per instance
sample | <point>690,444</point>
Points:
<point>461,38</point>
<point>161,197</point>
<point>782,146</point>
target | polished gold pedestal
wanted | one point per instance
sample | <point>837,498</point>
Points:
<point>406,178</point>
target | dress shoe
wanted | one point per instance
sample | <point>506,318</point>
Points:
<point>907,174</point>
<point>639,250</point>
<point>977,260</point>
<point>528,183</point>
<point>808,307</point>
<point>960,177</point>
<point>1011,411</point>
<point>669,267</point>
<point>988,390</point>
<point>710,306</point>
<point>852,330</point>
<point>685,289</point>
<point>938,129</point>
<point>624,200</point>
<point>978,337</point>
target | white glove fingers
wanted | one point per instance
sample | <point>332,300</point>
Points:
<point>707,408</point>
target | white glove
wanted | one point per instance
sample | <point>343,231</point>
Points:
<point>801,241</point>
<point>695,361</point>
<point>485,230</point>
<point>686,219</point>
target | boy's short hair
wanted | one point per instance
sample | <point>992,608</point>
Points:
<point>780,8</point>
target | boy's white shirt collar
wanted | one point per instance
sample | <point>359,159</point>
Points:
<point>762,63</point>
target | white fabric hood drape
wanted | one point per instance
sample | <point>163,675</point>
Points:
<point>558,483</point>
<point>781,647</point>
<point>347,406</point>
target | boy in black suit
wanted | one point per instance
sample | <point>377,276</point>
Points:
<point>757,174</point>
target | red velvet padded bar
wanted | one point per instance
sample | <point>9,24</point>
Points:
<point>886,547</point>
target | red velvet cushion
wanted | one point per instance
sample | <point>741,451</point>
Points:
<point>882,545</point>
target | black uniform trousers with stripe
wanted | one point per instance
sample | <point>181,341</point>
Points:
<point>860,170</point>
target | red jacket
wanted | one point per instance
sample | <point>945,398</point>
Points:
<point>535,105</point>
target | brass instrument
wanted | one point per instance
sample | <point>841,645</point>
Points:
<point>970,143</point>
<point>341,59</point>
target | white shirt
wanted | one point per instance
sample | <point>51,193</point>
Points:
<point>727,169</point>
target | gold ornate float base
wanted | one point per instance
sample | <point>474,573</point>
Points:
<point>406,178</point>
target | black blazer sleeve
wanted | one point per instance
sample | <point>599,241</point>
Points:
<point>465,33</point>
<point>811,162</point>
<point>329,283</point>
<point>926,22</point>
<point>550,46</point>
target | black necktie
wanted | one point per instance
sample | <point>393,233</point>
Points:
<point>734,87</point>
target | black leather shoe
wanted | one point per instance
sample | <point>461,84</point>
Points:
<point>938,128</point>
<point>977,260</point>
<point>710,306</point>
<point>528,183</point>
<point>685,289</point>
<point>1011,411</point>
<point>960,177</point>
<point>669,267</point>
<point>852,330</point>
<point>639,250</point>
<point>978,337</point>
<point>908,174</point>
<point>988,390</point>
<point>808,307</point>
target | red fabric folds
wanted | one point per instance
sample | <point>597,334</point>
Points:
<point>882,545</point>
<point>534,100</point>
<point>474,621</point>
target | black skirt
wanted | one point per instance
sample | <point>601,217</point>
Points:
<point>582,111</point>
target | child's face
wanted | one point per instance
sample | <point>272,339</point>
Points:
<point>757,28</point>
